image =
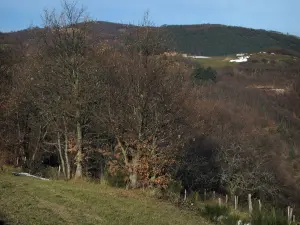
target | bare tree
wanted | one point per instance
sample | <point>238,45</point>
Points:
<point>143,108</point>
<point>65,74</point>
<point>245,170</point>
<point>20,120</point>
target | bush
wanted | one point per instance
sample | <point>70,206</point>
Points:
<point>196,196</point>
<point>9,169</point>
<point>172,197</point>
<point>204,74</point>
<point>275,218</point>
<point>174,186</point>
<point>172,193</point>
<point>156,192</point>
<point>49,172</point>
<point>222,215</point>
<point>117,180</point>
<point>214,212</point>
<point>231,219</point>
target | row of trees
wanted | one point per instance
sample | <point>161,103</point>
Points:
<point>129,112</point>
<point>80,98</point>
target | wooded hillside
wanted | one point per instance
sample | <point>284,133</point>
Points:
<point>205,39</point>
<point>213,40</point>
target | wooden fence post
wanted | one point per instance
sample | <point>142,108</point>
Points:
<point>291,214</point>
<point>235,206</point>
<point>236,202</point>
<point>288,214</point>
<point>294,218</point>
<point>184,194</point>
<point>220,201</point>
<point>196,197</point>
<point>250,204</point>
<point>226,200</point>
<point>214,195</point>
<point>259,205</point>
<point>58,172</point>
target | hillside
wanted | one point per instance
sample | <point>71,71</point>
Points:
<point>34,201</point>
<point>225,40</point>
<point>205,39</point>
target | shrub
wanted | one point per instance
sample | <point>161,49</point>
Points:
<point>223,215</point>
<point>172,192</point>
<point>49,172</point>
<point>213,212</point>
<point>9,169</point>
<point>231,219</point>
<point>172,197</point>
<point>116,180</point>
<point>165,194</point>
<point>156,192</point>
<point>196,196</point>
<point>268,219</point>
<point>174,186</point>
<point>204,74</point>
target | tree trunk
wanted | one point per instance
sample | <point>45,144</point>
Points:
<point>68,167</point>
<point>133,175</point>
<point>79,156</point>
<point>21,152</point>
<point>63,165</point>
<point>17,161</point>
<point>133,180</point>
<point>131,166</point>
<point>37,145</point>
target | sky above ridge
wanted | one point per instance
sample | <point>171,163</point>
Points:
<point>277,15</point>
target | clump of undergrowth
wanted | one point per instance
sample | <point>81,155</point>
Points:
<point>215,212</point>
<point>225,216</point>
<point>267,218</point>
<point>231,219</point>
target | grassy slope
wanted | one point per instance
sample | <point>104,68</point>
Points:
<point>25,200</point>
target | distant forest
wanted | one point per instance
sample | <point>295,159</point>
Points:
<point>205,39</point>
<point>215,40</point>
